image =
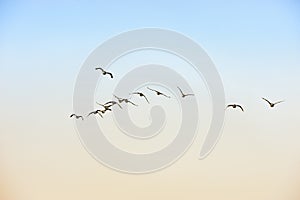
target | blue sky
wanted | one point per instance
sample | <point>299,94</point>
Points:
<point>254,40</point>
<point>60,35</point>
<point>217,23</point>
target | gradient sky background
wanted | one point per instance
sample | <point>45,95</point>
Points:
<point>255,46</point>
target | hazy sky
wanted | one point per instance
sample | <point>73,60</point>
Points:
<point>255,45</point>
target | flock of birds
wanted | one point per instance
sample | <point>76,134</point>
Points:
<point>272,105</point>
<point>108,105</point>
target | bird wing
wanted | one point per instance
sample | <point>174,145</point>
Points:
<point>278,102</point>
<point>165,95</point>
<point>146,98</point>
<point>189,95</point>
<point>109,102</point>
<point>117,97</point>
<point>180,90</point>
<point>152,89</point>
<point>131,103</point>
<point>99,104</point>
<point>99,68</point>
<point>72,115</point>
<point>230,105</point>
<point>141,94</point>
<point>90,113</point>
<point>119,105</point>
<point>240,107</point>
<point>267,101</point>
<point>100,114</point>
<point>110,74</point>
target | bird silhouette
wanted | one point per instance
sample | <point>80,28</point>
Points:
<point>112,103</point>
<point>104,72</point>
<point>96,112</point>
<point>76,116</point>
<point>141,95</point>
<point>121,100</point>
<point>235,105</point>
<point>182,94</point>
<point>272,104</point>
<point>106,107</point>
<point>158,93</point>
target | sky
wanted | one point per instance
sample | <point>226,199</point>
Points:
<point>255,46</point>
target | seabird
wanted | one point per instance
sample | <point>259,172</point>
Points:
<point>76,116</point>
<point>141,95</point>
<point>96,112</point>
<point>104,72</point>
<point>124,100</point>
<point>158,93</point>
<point>235,105</point>
<point>112,103</point>
<point>182,94</point>
<point>272,104</point>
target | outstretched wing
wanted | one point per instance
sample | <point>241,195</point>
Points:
<point>93,112</point>
<point>152,89</point>
<point>99,68</point>
<point>142,95</point>
<point>165,95</point>
<point>240,107</point>
<point>101,104</point>
<point>110,102</point>
<point>90,114</point>
<point>132,103</point>
<point>110,74</point>
<point>189,95</point>
<point>119,105</point>
<point>230,105</point>
<point>117,97</point>
<point>72,115</point>
<point>278,102</point>
<point>146,98</point>
<point>267,101</point>
<point>180,91</point>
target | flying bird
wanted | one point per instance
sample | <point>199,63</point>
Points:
<point>121,100</point>
<point>272,104</point>
<point>112,103</point>
<point>141,95</point>
<point>235,105</point>
<point>106,107</point>
<point>158,93</point>
<point>76,116</point>
<point>104,72</point>
<point>95,113</point>
<point>184,95</point>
